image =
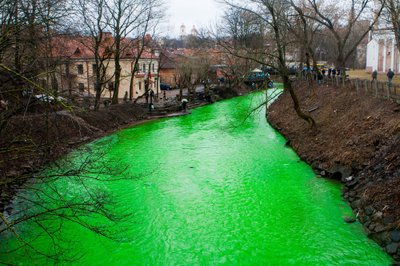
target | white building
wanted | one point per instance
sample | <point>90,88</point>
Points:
<point>382,52</point>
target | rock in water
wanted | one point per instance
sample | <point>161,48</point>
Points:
<point>392,248</point>
<point>349,220</point>
<point>395,235</point>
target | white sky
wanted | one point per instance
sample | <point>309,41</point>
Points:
<point>200,13</point>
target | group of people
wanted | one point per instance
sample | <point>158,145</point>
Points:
<point>390,75</point>
<point>320,74</point>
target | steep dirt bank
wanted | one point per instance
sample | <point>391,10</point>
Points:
<point>28,142</point>
<point>357,140</point>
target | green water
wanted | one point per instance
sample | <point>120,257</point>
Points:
<point>211,188</point>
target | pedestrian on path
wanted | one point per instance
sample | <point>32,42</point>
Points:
<point>390,75</point>
<point>374,76</point>
<point>184,105</point>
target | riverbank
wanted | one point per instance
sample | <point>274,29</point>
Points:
<point>31,140</point>
<point>357,141</point>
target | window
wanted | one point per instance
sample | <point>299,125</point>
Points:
<point>144,67</point>
<point>80,69</point>
<point>140,85</point>
<point>94,69</point>
<point>153,67</point>
<point>81,87</point>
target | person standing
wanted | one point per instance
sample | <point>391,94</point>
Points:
<point>320,77</point>
<point>184,105</point>
<point>151,96</point>
<point>374,76</point>
<point>390,75</point>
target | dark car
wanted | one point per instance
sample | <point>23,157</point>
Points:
<point>165,87</point>
<point>270,70</point>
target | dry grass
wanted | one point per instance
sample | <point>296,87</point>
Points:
<point>363,74</point>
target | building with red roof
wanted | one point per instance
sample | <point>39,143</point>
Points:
<point>77,65</point>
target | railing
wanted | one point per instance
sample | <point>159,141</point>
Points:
<point>379,89</point>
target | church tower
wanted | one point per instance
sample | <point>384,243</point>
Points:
<point>183,31</point>
<point>194,32</point>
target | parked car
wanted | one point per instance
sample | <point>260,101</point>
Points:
<point>270,70</point>
<point>165,87</point>
<point>48,98</point>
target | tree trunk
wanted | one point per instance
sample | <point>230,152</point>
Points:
<point>117,76</point>
<point>284,72</point>
<point>98,88</point>
<point>288,85</point>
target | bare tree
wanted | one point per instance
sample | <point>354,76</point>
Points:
<point>126,17</point>
<point>144,41</point>
<point>26,68</point>
<point>92,13</point>
<point>242,45</point>
<point>305,31</point>
<point>26,58</point>
<point>341,19</point>
<point>392,16</point>
<point>68,194</point>
<point>274,15</point>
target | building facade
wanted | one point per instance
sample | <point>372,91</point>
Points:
<point>382,52</point>
<point>77,72</point>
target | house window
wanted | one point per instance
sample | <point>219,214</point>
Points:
<point>80,69</point>
<point>81,87</point>
<point>94,69</point>
<point>140,85</point>
<point>144,67</point>
<point>153,67</point>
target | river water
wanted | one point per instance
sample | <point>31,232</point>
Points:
<point>217,187</point>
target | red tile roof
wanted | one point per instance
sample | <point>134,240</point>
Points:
<point>77,47</point>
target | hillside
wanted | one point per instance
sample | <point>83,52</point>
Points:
<point>357,140</point>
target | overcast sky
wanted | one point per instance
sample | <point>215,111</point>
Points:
<point>200,13</point>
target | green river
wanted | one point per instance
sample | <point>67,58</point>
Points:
<point>217,187</point>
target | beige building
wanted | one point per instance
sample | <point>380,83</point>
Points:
<point>77,70</point>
